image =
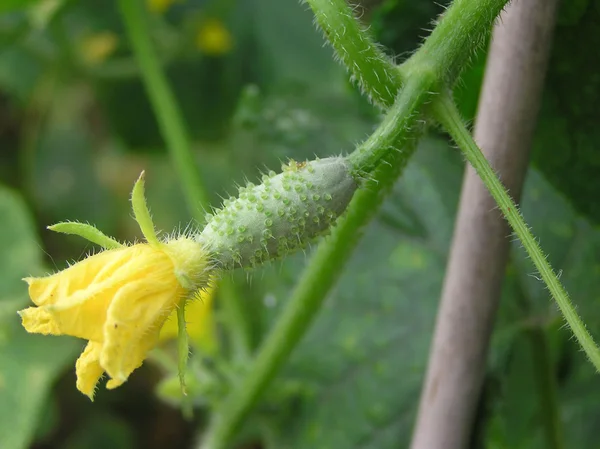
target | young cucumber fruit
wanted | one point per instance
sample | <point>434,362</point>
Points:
<point>281,215</point>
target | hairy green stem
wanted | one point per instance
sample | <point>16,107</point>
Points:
<point>448,116</point>
<point>374,72</point>
<point>458,34</point>
<point>172,127</point>
<point>326,264</point>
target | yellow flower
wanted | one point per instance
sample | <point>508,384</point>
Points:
<point>95,49</point>
<point>118,299</point>
<point>159,6</point>
<point>213,38</point>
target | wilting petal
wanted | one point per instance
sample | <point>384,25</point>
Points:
<point>37,320</point>
<point>88,369</point>
<point>78,298</point>
<point>135,358</point>
<point>133,321</point>
<point>58,287</point>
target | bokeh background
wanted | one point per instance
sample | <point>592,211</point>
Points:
<point>257,86</point>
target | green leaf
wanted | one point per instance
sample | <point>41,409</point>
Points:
<point>300,58</point>
<point>12,5</point>
<point>28,363</point>
<point>102,431</point>
<point>567,136</point>
<point>21,252</point>
<point>26,367</point>
<point>65,183</point>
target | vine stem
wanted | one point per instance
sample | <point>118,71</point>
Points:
<point>172,128</point>
<point>374,72</point>
<point>325,265</point>
<point>447,115</point>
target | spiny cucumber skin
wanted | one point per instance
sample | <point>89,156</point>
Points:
<point>281,215</point>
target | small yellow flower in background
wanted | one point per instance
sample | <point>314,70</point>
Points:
<point>200,323</point>
<point>118,299</point>
<point>96,48</point>
<point>213,38</point>
<point>159,6</point>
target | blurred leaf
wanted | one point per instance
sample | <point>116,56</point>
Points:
<point>19,71</point>
<point>21,251</point>
<point>566,147</point>
<point>400,24</point>
<point>66,182</point>
<point>513,424</point>
<point>302,56</point>
<point>102,431</point>
<point>11,5</point>
<point>27,367</point>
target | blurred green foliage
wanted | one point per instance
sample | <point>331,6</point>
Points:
<point>76,128</point>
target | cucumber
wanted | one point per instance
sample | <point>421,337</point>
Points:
<point>281,215</point>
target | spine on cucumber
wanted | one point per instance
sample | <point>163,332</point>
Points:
<point>281,215</point>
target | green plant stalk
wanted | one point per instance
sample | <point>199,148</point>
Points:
<point>183,350</point>
<point>373,71</point>
<point>326,264</point>
<point>546,385</point>
<point>169,117</point>
<point>459,33</point>
<point>447,115</point>
<point>171,123</point>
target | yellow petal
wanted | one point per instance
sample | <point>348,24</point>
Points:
<point>135,359</point>
<point>133,321</point>
<point>88,369</point>
<point>37,320</point>
<point>78,298</point>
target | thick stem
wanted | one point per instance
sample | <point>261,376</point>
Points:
<point>325,266</point>
<point>459,33</point>
<point>375,73</point>
<point>504,128</point>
